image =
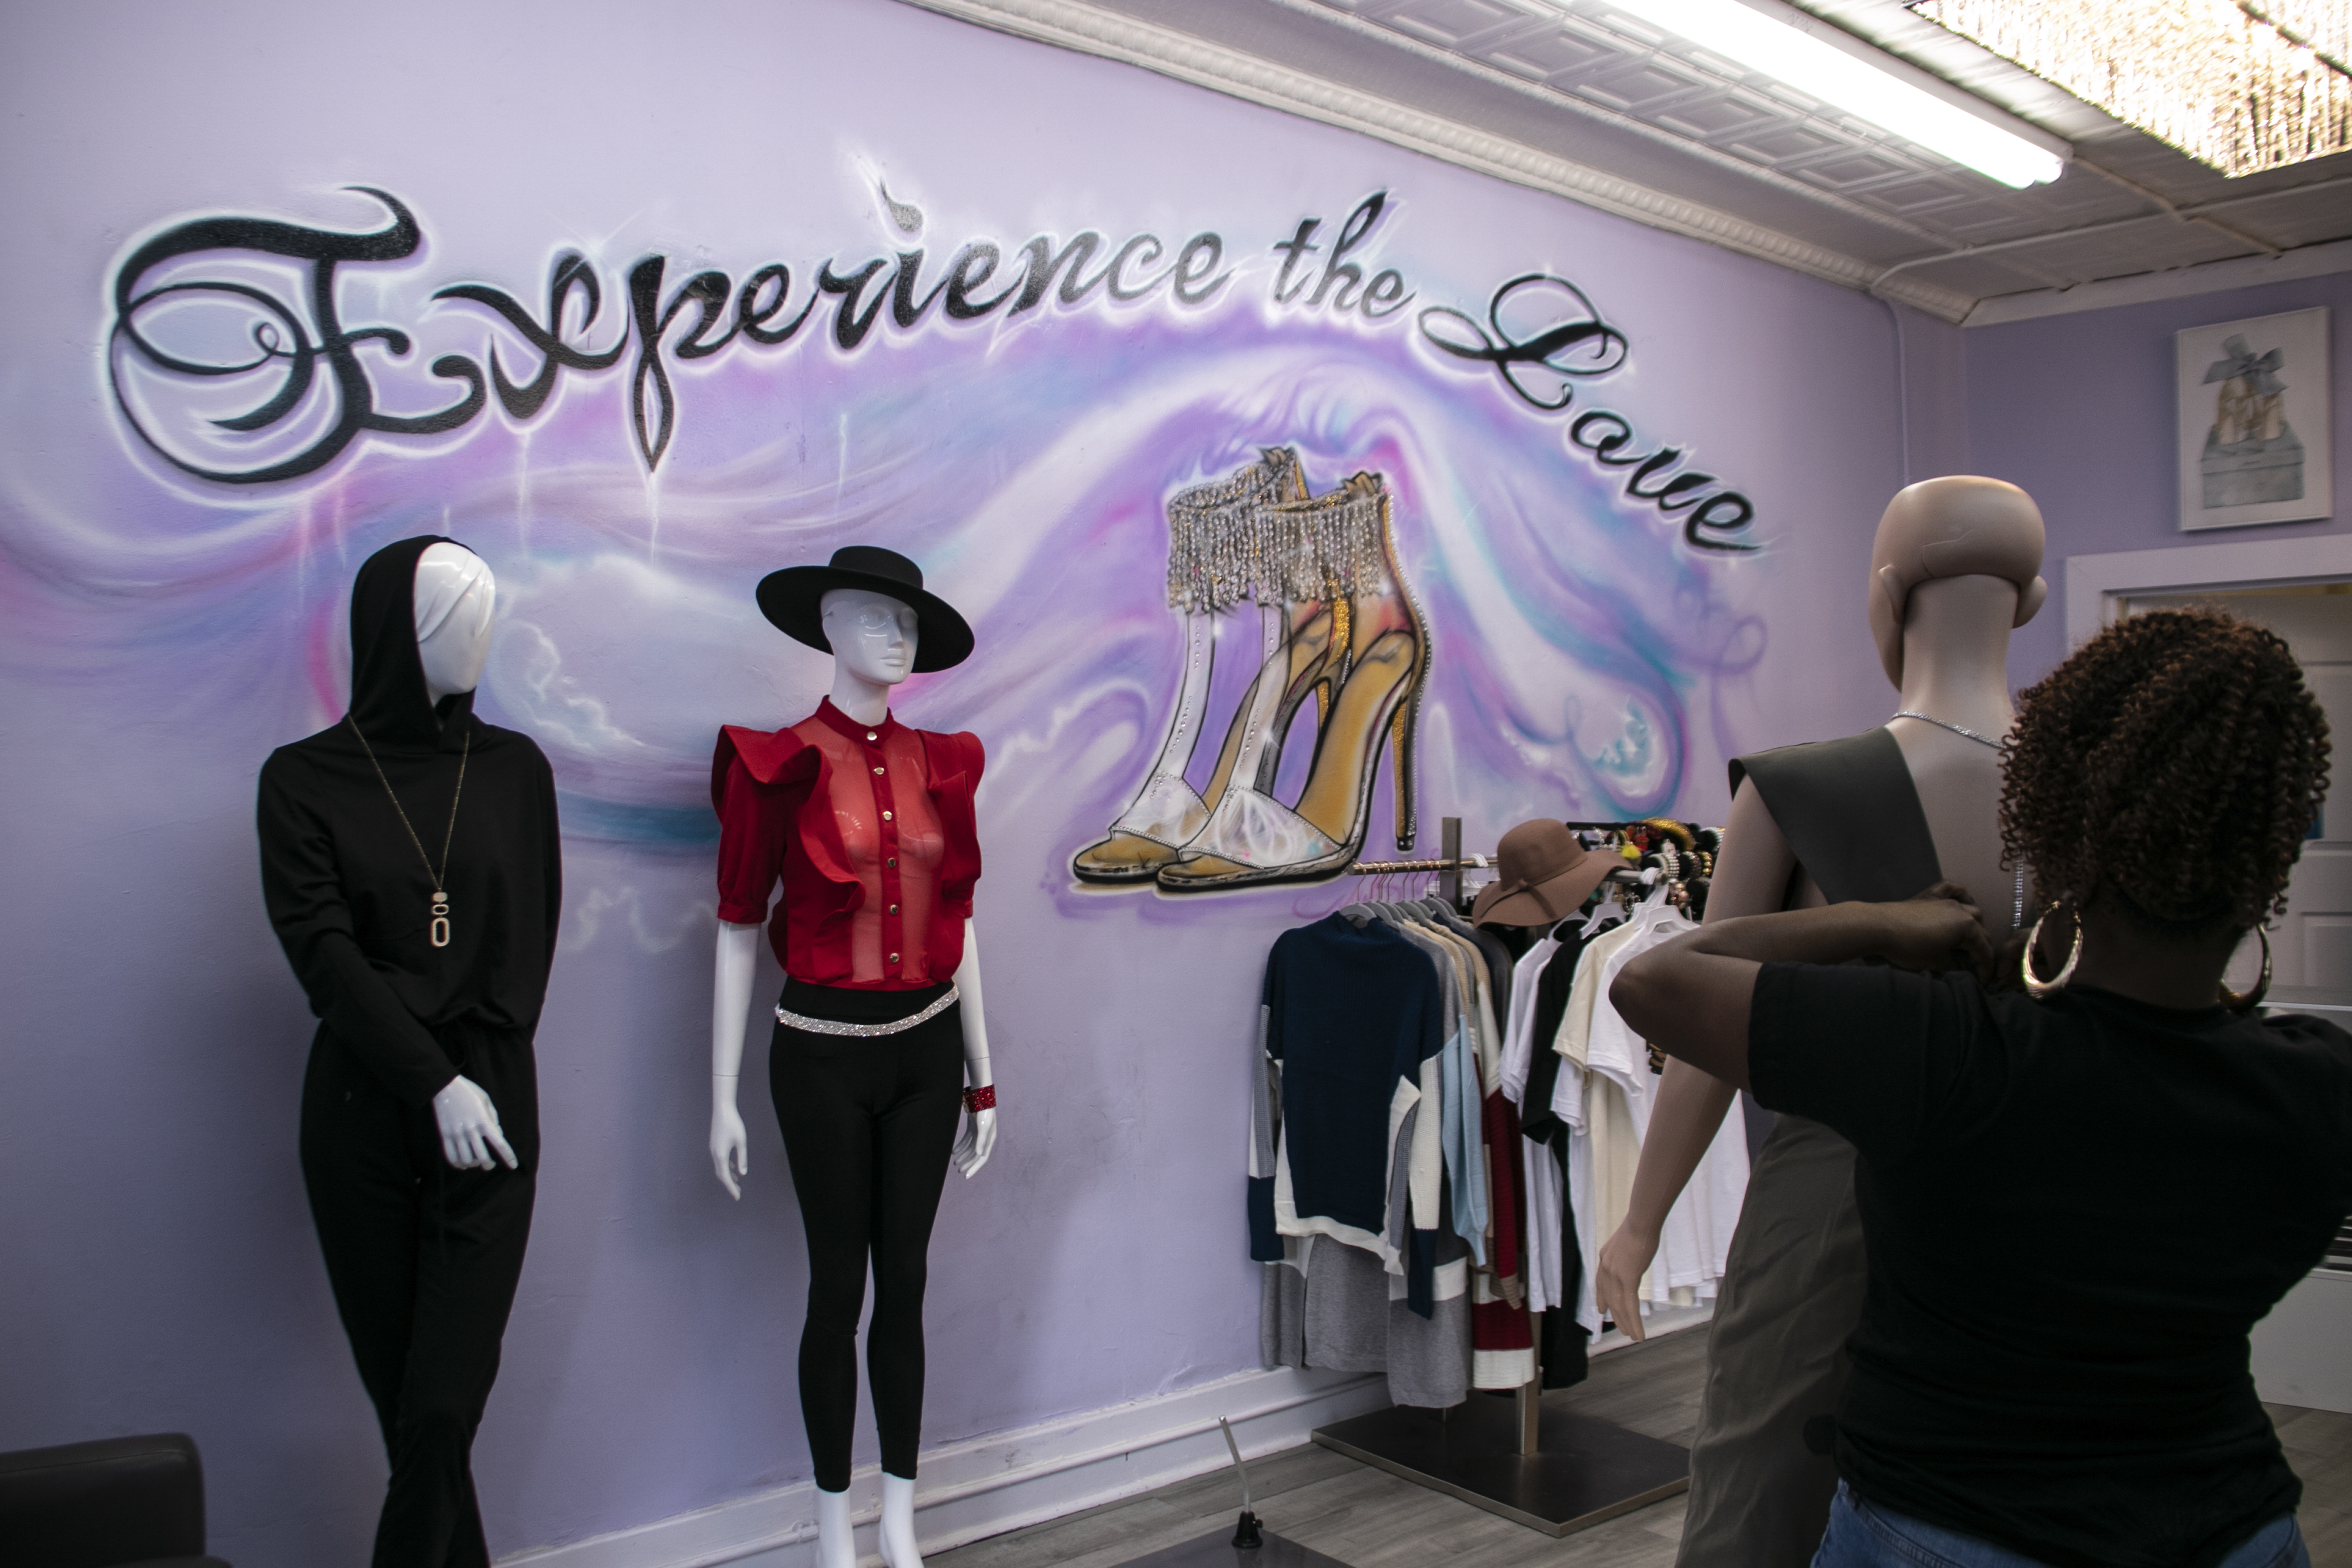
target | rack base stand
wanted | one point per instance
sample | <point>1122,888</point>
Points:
<point>1583,1472</point>
<point>1218,1550</point>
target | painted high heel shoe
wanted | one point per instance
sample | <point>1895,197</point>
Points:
<point>1251,838</point>
<point>1216,559</point>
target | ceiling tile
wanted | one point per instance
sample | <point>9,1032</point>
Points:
<point>1716,115</point>
<point>1781,143</point>
<point>1842,171</point>
<point>1448,21</point>
<point>1646,83</point>
<point>1924,193</point>
<point>1548,53</point>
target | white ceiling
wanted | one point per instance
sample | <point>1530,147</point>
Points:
<point>1588,102</point>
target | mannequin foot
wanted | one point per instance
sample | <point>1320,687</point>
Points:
<point>836,1539</point>
<point>899,1548</point>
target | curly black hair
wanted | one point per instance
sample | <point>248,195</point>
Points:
<point>2176,760</point>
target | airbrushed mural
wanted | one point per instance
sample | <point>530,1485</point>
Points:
<point>1389,524</point>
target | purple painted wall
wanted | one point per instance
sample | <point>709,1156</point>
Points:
<point>158,637</point>
<point>2079,410</point>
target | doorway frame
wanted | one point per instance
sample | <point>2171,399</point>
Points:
<point>2095,584</point>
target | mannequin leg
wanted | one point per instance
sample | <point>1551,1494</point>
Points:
<point>1791,1293</point>
<point>868,1126</point>
<point>913,1137</point>
<point>424,1260</point>
<point>817,1085</point>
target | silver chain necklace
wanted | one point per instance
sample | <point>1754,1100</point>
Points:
<point>1955,728</point>
<point>439,932</point>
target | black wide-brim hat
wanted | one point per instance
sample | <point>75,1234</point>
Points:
<point>794,599</point>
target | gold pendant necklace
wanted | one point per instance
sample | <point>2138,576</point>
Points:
<point>439,932</point>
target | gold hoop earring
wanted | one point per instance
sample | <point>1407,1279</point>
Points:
<point>2252,999</point>
<point>2042,990</point>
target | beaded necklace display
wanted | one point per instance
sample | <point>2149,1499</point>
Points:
<point>439,932</point>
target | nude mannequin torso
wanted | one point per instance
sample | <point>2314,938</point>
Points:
<point>1954,568</point>
<point>1948,656</point>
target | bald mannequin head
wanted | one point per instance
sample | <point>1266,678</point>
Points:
<point>1957,526</point>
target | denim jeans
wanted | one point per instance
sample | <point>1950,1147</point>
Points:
<point>1864,1535</point>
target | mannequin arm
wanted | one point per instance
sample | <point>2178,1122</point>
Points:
<point>469,1127</point>
<point>979,1137</point>
<point>738,956</point>
<point>1751,878</point>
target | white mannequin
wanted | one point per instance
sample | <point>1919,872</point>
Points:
<point>1944,643</point>
<point>455,596</point>
<point>873,637</point>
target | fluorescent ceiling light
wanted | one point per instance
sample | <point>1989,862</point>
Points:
<point>1787,53</point>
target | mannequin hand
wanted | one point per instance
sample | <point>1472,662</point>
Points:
<point>978,1139</point>
<point>1617,1285</point>
<point>469,1126</point>
<point>728,1144</point>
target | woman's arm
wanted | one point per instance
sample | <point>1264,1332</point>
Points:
<point>1690,997</point>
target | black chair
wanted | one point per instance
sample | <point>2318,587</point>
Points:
<point>123,1502</point>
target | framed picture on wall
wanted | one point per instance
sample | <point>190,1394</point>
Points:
<point>2253,420</point>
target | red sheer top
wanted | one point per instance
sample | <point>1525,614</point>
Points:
<point>870,829</point>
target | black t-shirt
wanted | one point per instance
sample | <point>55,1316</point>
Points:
<point>2076,1210</point>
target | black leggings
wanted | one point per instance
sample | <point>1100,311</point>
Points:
<point>868,1124</point>
<point>423,1258</point>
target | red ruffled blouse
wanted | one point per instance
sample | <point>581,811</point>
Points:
<point>870,829</point>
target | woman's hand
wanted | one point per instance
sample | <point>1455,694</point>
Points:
<point>1934,930</point>
<point>469,1126</point>
<point>729,1146</point>
<point>1617,1283</point>
<point>977,1141</point>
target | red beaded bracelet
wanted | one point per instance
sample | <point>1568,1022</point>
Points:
<point>981,1098</point>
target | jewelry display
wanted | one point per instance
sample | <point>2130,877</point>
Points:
<point>439,932</point>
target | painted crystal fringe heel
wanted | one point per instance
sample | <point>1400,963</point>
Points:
<point>1216,556</point>
<point>1379,664</point>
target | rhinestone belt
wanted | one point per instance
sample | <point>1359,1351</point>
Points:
<point>866,1031</point>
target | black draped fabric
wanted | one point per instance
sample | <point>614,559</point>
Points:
<point>1851,814</point>
<point>423,1258</point>
<point>349,893</point>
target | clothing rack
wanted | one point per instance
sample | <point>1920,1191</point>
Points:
<point>1550,1469</point>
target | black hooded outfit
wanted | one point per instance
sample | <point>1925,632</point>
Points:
<point>423,1258</point>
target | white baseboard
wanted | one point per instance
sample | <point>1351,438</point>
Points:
<point>989,1485</point>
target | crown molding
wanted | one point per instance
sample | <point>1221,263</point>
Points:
<point>1073,25</point>
<point>2179,283</point>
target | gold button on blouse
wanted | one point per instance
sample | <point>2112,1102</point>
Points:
<point>871,736</point>
<point>877,770</point>
<point>894,909</point>
<point>894,957</point>
<point>886,816</point>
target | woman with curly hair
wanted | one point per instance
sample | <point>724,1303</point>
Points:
<point>2080,1190</point>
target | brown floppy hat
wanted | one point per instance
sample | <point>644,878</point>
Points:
<point>1547,876</point>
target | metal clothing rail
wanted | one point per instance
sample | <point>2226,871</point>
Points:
<point>1550,1469</point>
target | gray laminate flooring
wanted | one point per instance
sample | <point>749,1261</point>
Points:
<point>1369,1519</point>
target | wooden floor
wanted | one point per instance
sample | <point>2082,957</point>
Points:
<point>1369,1519</point>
